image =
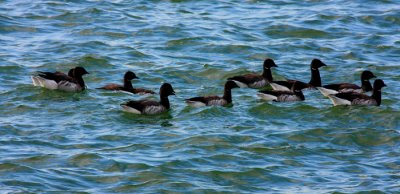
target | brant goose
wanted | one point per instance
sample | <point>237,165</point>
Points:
<point>73,82</point>
<point>255,80</point>
<point>327,90</point>
<point>149,106</point>
<point>353,98</point>
<point>127,87</point>
<point>285,96</point>
<point>214,100</point>
<point>315,80</point>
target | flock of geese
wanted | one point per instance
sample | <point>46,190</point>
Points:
<point>282,91</point>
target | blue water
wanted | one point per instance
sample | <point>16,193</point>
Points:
<point>53,141</point>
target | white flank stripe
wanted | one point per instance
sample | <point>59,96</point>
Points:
<point>267,96</point>
<point>68,86</point>
<point>241,84</point>
<point>288,98</point>
<point>195,104</point>
<point>220,102</point>
<point>154,109</point>
<point>326,92</point>
<point>130,109</point>
<point>258,84</point>
<point>338,101</point>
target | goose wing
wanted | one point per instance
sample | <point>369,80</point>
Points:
<point>56,76</point>
<point>247,78</point>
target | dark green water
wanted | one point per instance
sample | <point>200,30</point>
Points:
<point>53,141</point>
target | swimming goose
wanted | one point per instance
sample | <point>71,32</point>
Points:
<point>255,80</point>
<point>73,82</point>
<point>285,96</point>
<point>127,87</point>
<point>148,106</point>
<point>214,100</point>
<point>353,98</point>
<point>366,86</point>
<point>315,80</point>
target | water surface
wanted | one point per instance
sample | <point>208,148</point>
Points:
<point>53,141</point>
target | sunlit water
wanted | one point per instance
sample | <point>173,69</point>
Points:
<point>54,141</point>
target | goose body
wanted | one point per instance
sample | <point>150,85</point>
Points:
<point>206,101</point>
<point>214,100</point>
<point>353,98</point>
<point>315,80</point>
<point>284,96</point>
<point>127,87</point>
<point>150,107</point>
<point>144,107</point>
<point>255,80</point>
<point>73,82</point>
<point>366,86</point>
<point>280,96</point>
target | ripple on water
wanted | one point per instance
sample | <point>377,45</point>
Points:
<point>285,31</point>
<point>10,167</point>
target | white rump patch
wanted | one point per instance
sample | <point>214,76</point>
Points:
<point>195,104</point>
<point>267,96</point>
<point>45,83</point>
<point>130,109</point>
<point>326,92</point>
<point>241,84</point>
<point>279,87</point>
<point>338,101</point>
<point>35,81</point>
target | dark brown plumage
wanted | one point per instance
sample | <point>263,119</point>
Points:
<point>315,80</point>
<point>149,106</point>
<point>353,98</point>
<point>295,94</point>
<point>73,82</point>
<point>255,80</point>
<point>127,87</point>
<point>214,100</point>
<point>348,87</point>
